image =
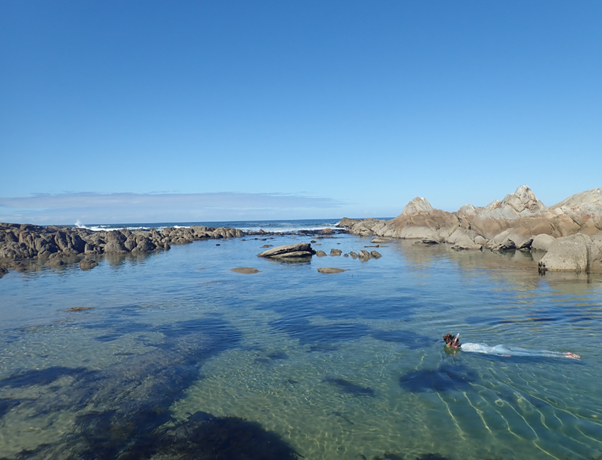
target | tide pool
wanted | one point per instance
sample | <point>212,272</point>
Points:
<point>289,362</point>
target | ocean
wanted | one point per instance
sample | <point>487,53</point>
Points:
<point>173,355</point>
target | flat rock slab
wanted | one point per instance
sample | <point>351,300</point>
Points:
<point>330,270</point>
<point>245,270</point>
<point>79,308</point>
<point>379,239</point>
<point>289,250</point>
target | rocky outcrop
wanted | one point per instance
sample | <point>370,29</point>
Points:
<point>19,242</point>
<point>518,222</point>
<point>578,253</point>
<point>542,242</point>
<point>289,251</point>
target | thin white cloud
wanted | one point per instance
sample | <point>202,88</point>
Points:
<point>158,207</point>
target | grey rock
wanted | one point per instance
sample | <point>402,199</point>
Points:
<point>113,246</point>
<point>353,255</point>
<point>375,254</point>
<point>87,264</point>
<point>290,250</point>
<point>320,253</point>
<point>364,255</point>
<point>335,252</point>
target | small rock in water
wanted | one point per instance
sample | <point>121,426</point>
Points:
<point>320,253</point>
<point>330,270</point>
<point>245,270</point>
<point>79,308</point>
<point>335,252</point>
<point>299,250</point>
<point>376,254</point>
<point>87,264</point>
<point>267,246</point>
<point>364,255</point>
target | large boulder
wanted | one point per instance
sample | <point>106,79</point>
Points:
<point>542,242</point>
<point>289,251</point>
<point>578,253</point>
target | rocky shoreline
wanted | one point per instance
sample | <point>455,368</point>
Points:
<point>57,245</point>
<point>569,233</point>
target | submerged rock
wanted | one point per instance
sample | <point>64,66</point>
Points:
<point>87,264</point>
<point>330,270</point>
<point>245,270</point>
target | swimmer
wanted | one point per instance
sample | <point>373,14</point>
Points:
<point>453,343</point>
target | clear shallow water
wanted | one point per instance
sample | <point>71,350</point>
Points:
<point>344,366</point>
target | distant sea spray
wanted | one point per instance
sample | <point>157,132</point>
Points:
<point>277,226</point>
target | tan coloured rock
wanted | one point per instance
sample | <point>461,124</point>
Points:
<point>578,253</point>
<point>245,270</point>
<point>328,270</point>
<point>542,242</point>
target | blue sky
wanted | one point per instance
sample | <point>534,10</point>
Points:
<point>115,111</point>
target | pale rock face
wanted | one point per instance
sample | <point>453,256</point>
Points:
<point>578,253</point>
<point>467,210</point>
<point>524,202</point>
<point>542,242</point>
<point>418,204</point>
<point>588,202</point>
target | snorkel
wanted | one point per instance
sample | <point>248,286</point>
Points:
<point>455,342</point>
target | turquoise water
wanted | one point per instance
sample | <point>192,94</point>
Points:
<point>341,366</point>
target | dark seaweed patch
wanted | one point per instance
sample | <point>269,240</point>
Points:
<point>447,377</point>
<point>140,390</point>
<point>41,377</point>
<point>349,387</point>
<point>410,339</point>
<point>7,404</point>
<point>224,438</point>
<point>307,333</point>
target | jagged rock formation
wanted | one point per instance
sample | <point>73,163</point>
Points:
<point>520,221</point>
<point>27,241</point>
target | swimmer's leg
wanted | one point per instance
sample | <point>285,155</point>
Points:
<point>572,355</point>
